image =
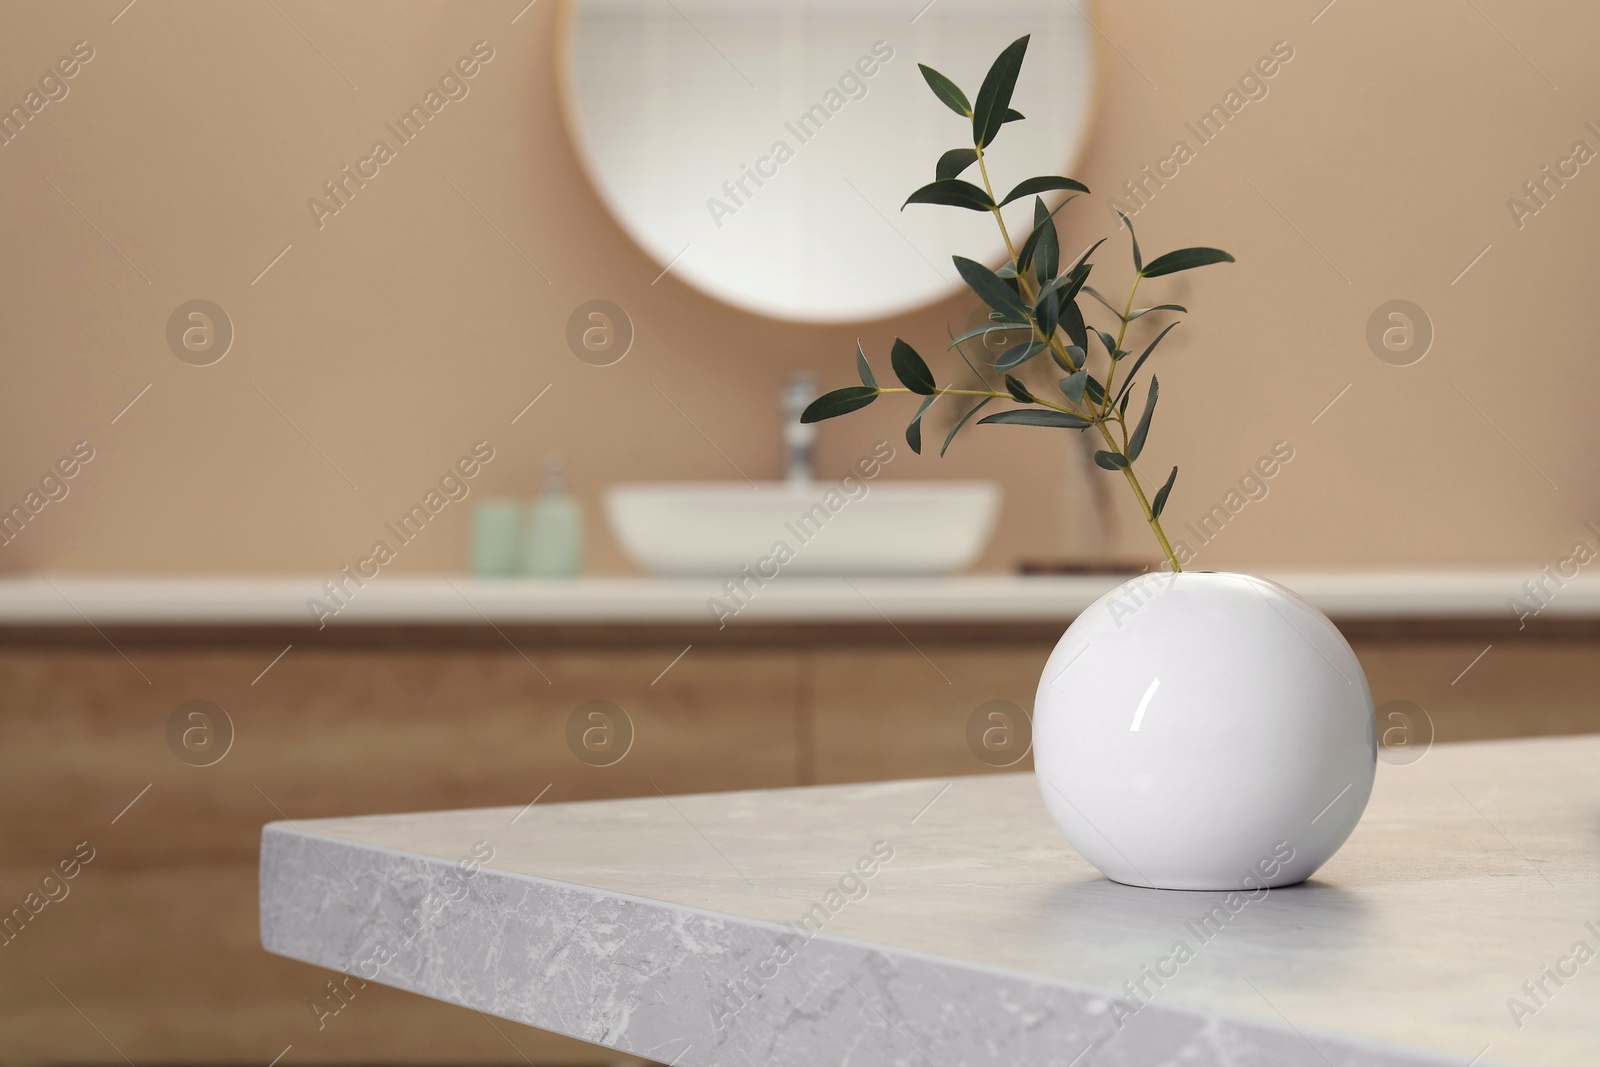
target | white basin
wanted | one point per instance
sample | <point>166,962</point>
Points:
<point>717,528</point>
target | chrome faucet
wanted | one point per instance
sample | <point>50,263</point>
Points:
<point>798,437</point>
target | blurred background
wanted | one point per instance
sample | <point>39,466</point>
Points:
<point>1428,161</point>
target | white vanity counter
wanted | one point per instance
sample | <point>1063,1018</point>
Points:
<point>49,600</point>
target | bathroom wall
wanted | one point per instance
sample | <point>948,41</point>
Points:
<point>374,347</point>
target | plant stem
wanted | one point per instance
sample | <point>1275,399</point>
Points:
<point>984,170</point>
<point>1097,418</point>
<point>979,392</point>
<point>947,392</point>
<point>1121,333</point>
<point>1024,283</point>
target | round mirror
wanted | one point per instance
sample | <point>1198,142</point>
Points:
<point>761,150</point>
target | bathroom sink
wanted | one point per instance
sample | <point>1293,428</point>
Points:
<point>817,528</point>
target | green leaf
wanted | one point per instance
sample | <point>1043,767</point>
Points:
<point>1141,431</point>
<point>1109,342</point>
<point>962,421</point>
<point>1072,385</point>
<point>1012,115</point>
<point>987,328</point>
<point>864,368</point>
<point>1139,313</point>
<point>1039,417</point>
<point>1006,271</point>
<point>1094,391</point>
<point>946,90</point>
<point>1122,406</point>
<point>1043,185</point>
<point>910,369</point>
<point>1111,461</point>
<point>839,402</point>
<point>1020,354</point>
<point>1075,359</point>
<point>1184,259</point>
<point>991,289</point>
<point>1138,259</point>
<point>1025,253</point>
<point>1127,382</point>
<point>1047,313</point>
<point>1072,322</point>
<point>1047,253</point>
<point>1108,305</point>
<point>1160,502</point>
<point>1069,284</point>
<point>914,430</point>
<point>989,111</point>
<point>952,192</point>
<point>953,162</point>
<point>1087,252</point>
<point>1019,392</point>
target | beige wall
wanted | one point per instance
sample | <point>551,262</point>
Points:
<point>408,328</point>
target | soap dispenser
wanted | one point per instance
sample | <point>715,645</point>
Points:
<point>554,533</point>
<point>554,546</point>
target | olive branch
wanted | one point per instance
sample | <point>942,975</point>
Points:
<point>1031,292</point>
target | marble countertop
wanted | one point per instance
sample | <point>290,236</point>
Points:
<point>946,922</point>
<point>395,600</point>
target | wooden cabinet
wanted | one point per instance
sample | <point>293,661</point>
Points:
<point>887,712</point>
<point>155,941</point>
<point>153,952</point>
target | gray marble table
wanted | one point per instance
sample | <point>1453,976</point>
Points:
<point>939,923</point>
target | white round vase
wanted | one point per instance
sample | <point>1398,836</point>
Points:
<point>1204,731</point>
